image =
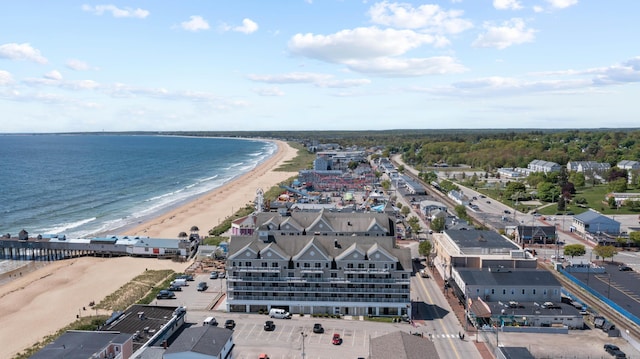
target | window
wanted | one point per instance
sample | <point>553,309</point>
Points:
<point>534,291</point>
<point>372,265</point>
<point>274,264</point>
<point>334,275</point>
<point>307,265</point>
<point>361,265</point>
<point>504,292</point>
<point>248,264</point>
<point>493,291</point>
<point>318,265</point>
<point>264,264</point>
<point>523,292</point>
<point>349,265</point>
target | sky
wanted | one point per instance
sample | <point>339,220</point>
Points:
<point>197,65</point>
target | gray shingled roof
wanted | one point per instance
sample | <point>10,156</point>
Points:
<point>402,345</point>
<point>79,344</point>
<point>292,245</point>
<point>206,339</point>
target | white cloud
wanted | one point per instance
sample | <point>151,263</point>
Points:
<point>195,24</point>
<point>562,4</point>
<point>248,27</point>
<point>53,75</point>
<point>115,11</point>
<point>319,80</point>
<point>538,9</point>
<point>358,44</point>
<point>512,32</point>
<point>507,4</point>
<point>408,67</point>
<point>24,51</point>
<point>565,81</point>
<point>78,65</point>
<point>429,18</point>
<point>5,78</point>
<point>268,91</point>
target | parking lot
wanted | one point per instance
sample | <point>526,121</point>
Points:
<point>286,340</point>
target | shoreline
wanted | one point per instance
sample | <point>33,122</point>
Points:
<point>211,208</point>
<point>66,286</point>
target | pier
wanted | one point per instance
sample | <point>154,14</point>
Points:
<point>54,247</point>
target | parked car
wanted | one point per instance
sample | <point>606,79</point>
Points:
<point>424,273</point>
<point>625,269</point>
<point>188,277</point>
<point>263,356</point>
<point>221,275</point>
<point>610,348</point>
<point>202,286</point>
<point>269,326</point>
<point>336,340</point>
<point>210,321</point>
<point>506,211</point>
<point>175,288</point>
<point>213,275</point>
<point>488,201</point>
<point>230,324</point>
<point>318,329</point>
<point>165,294</point>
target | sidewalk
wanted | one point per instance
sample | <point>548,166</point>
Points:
<point>458,310</point>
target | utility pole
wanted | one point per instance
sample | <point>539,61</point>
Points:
<point>303,336</point>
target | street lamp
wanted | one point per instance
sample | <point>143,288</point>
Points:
<point>303,336</point>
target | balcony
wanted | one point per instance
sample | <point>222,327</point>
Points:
<point>299,299</point>
<point>344,290</point>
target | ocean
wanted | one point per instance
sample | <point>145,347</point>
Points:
<point>85,185</point>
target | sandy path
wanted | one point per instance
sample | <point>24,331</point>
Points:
<point>41,302</point>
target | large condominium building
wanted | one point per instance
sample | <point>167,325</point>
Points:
<point>346,264</point>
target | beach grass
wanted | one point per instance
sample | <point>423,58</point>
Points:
<point>90,323</point>
<point>303,160</point>
<point>145,286</point>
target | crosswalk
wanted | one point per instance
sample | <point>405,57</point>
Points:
<point>438,336</point>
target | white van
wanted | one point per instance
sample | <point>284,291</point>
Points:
<point>210,321</point>
<point>179,282</point>
<point>279,313</point>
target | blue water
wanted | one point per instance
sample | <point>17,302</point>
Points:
<point>84,185</point>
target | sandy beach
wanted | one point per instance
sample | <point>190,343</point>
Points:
<point>40,302</point>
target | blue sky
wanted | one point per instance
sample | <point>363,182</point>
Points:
<point>318,65</point>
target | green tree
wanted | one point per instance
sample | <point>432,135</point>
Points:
<point>577,178</point>
<point>401,168</point>
<point>414,223</point>
<point>515,191</point>
<point>424,248</point>
<point>622,241</point>
<point>562,204</point>
<point>437,224</point>
<point>547,191</point>
<point>618,185</point>
<point>386,184</point>
<point>405,210</point>
<point>607,251</point>
<point>574,250</point>
<point>635,237</point>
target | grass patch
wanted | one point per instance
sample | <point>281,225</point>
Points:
<point>303,160</point>
<point>144,286</point>
<point>380,319</point>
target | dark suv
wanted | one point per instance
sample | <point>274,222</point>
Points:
<point>202,286</point>
<point>230,324</point>
<point>615,351</point>
<point>165,294</point>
